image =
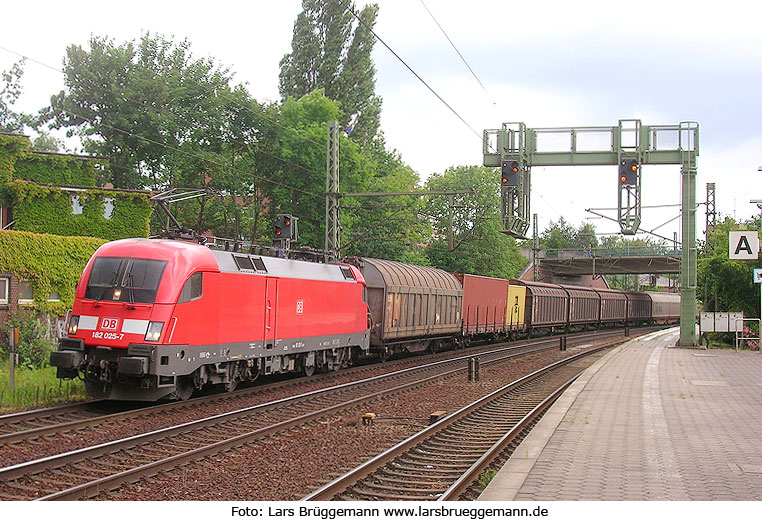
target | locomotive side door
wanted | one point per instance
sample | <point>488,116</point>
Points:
<point>271,302</point>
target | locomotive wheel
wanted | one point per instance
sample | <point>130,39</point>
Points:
<point>308,370</point>
<point>384,355</point>
<point>184,388</point>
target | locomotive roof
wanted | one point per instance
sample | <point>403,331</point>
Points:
<point>186,258</point>
<point>183,254</point>
<point>285,268</point>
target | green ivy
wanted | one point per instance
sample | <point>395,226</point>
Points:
<point>51,263</point>
<point>48,209</point>
<point>10,148</point>
<point>58,169</point>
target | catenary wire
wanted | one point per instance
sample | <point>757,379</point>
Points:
<point>398,57</point>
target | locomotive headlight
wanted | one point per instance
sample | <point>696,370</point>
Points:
<point>154,330</point>
<point>73,325</point>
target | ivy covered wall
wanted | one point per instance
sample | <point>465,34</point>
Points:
<point>50,263</point>
<point>49,209</point>
<point>57,169</point>
<point>11,146</point>
<point>28,185</point>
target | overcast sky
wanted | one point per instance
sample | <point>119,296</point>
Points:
<point>544,63</point>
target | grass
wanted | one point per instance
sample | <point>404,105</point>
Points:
<point>487,476</point>
<point>35,388</point>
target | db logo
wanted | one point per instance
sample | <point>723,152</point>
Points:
<point>109,324</point>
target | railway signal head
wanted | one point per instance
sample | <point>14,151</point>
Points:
<point>510,174</point>
<point>628,172</point>
<point>285,227</point>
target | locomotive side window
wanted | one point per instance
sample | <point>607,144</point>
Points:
<point>133,280</point>
<point>259,264</point>
<point>244,263</point>
<point>192,289</point>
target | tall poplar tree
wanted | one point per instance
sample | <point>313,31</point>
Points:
<point>332,51</point>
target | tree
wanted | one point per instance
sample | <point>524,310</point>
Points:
<point>386,227</point>
<point>141,104</point>
<point>479,246</point>
<point>727,281</point>
<point>563,235</point>
<point>11,121</point>
<point>333,53</point>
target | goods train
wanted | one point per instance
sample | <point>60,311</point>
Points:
<point>157,319</point>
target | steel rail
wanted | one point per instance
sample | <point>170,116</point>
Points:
<point>469,477</point>
<point>94,487</point>
<point>342,483</point>
<point>40,415</point>
<point>36,466</point>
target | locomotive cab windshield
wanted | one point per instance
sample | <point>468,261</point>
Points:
<point>132,280</point>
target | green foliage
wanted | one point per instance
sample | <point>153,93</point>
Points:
<point>47,209</point>
<point>11,121</point>
<point>486,477</point>
<point>479,246</point>
<point>56,169</point>
<point>726,282</point>
<point>144,105</point>
<point>33,349</point>
<point>332,52</point>
<point>10,148</point>
<point>562,235</point>
<point>50,263</point>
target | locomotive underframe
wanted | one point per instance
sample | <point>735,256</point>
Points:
<point>146,372</point>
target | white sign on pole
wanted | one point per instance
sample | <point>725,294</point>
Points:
<point>743,245</point>
<point>757,275</point>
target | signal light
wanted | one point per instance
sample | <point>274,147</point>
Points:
<point>510,174</point>
<point>285,227</point>
<point>628,172</point>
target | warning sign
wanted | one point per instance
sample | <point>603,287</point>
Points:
<point>743,245</point>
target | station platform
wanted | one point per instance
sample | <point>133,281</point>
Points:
<point>648,421</point>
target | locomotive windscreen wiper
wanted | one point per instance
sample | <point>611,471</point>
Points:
<point>132,290</point>
<point>110,285</point>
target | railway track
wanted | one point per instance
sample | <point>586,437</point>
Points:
<point>24,428</point>
<point>446,460</point>
<point>86,472</point>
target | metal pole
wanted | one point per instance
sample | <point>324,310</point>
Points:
<point>332,227</point>
<point>449,232</point>
<point>688,257</point>
<point>14,341</point>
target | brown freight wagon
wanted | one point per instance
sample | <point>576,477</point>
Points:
<point>613,307</point>
<point>639,307</point>
<point>584,305</point>
<point>547,305</point>
<point>412,308</point>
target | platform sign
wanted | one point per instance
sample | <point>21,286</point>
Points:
<point>757,275</point>
<point>743,245</point>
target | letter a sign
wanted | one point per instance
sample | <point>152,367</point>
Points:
<point>743,245</point>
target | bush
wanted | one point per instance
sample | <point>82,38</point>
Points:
<point>33,349</point>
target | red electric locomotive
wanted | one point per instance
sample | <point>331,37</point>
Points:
<point>160,319</point>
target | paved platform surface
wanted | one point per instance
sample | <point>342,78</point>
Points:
<point>647,422</point>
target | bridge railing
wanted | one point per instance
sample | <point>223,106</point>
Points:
<point>641,251</point>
